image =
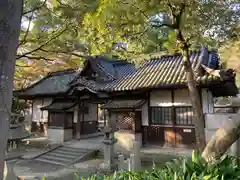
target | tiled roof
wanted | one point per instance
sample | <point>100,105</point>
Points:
<point>53,83</point>
<point>163,71</point>
<point>91,84</point>
<point>123,104</point>
<point>59,105</point>
<point>118,75</point>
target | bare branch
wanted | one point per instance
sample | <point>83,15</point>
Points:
<point>22,65</point>
<point>42,45</point>
<point>23,41</point>
<point>35,9</point>
<point>36,58</point>
<point>63,52</point>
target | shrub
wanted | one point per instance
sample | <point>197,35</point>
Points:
<point>195,168</point>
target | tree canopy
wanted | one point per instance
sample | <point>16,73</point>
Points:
<point>58,34</point>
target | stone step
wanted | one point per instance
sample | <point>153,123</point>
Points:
<point>67,155</point>
<point>63,155</point>
<point>62,151</point>
<point>74,150</point>
<point>50,161</point>
<point>55,160</point>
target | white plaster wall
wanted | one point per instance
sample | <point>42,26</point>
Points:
<point>28,113</point>
<point>37,114</point>
<point>207,101</point>
<point>164,98</point>
<point>92,112</point>
<point>160,98</point>
<point>37,104</point>
<point>75,115</point>
<point>45,102</point>
<point>145,121</point>
<point>181,97</point>
<point>59,135</point>
<point>216,121</point>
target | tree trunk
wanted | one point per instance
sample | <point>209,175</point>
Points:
<point>195,100</point>
<point>223,139</point>
<point>10,21</point>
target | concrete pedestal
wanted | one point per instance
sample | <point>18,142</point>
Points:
<point>59,135</point>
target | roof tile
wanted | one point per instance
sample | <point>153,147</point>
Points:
<point>159,72</point>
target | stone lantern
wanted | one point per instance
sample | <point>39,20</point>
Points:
<point>109,153</point>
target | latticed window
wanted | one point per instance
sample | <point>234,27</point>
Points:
<point>161,115</point>
<point>184,115</point>
<point>125,121</point>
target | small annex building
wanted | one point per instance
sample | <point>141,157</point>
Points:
<point>66,102</point>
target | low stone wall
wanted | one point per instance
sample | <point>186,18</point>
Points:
<point>125,139</point>
<point>59,135</point>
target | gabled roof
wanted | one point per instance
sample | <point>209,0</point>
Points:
<point>53,83</point>
<point>108,70</point>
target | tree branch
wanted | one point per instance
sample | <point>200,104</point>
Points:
<point>23,41</point>
<point>62,52</point>
<point>22,66</point>
<point>36,58</point>
<point>35,9</point>
<point>142,11</point>
<point>42,45</point>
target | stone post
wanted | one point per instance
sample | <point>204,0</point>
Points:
<point>133,163</point>
<point>121,165</point>
<point>109,142</point>
<point>136,151</point>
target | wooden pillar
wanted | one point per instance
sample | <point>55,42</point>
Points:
<point>82,122</point>
<point>78,127</point>
<point>104,117</point>
<point>137,121</point>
